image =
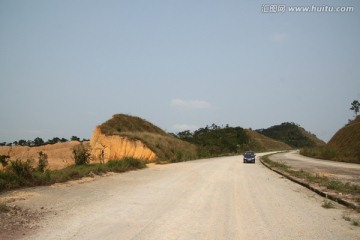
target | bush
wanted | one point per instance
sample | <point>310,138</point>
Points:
<point>43,161</point>
<point>22,169</point>
<point>81,154</point>
<point>22,174</point>
<point>4,160</point>
<point>125,164</point>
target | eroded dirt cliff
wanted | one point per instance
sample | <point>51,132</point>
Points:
<point>116,147</point>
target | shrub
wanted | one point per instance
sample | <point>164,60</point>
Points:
<point>125,164</point>
<point>327,204</point>
<point>22,169</point>
<point>43,161</point>
<point>81,154</point>
<point>4,160</point>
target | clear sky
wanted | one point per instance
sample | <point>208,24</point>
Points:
<point>67,66</point>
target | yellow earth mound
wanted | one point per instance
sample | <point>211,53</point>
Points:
<point>116,147</point>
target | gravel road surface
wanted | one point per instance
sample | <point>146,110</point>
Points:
<point>219,198</point>
<point>346,172</point>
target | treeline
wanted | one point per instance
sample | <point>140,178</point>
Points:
<point>216,141</point>
<point>40,142</point>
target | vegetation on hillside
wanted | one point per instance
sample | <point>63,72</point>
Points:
<point>122,123</point>
<point>166,147</point>
<point>216,141</point>
<point>291,134</point>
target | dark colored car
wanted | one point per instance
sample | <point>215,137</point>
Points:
<point>249,157</point>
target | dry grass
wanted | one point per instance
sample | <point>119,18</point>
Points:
<point>260,143</point>
<point>120,123</point>
<point>344,146</point>
<point>166,147</point>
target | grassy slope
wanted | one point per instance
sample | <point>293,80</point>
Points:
<point>165,146</point>
<point>344,146</point>
<point>261,143</point>
<point>121,123</point>
<point>312,137</point>
<point>347,140</point>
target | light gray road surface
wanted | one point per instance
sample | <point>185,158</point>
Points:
<point>219,198</point>
<point>346,172</point>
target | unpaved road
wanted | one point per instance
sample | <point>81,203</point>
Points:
<point>219,198</point>
<point>346,172</point>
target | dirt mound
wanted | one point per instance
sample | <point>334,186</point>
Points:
<point>347,140</point>
<point>59,154</point>
<point>130,136</point>
<point>115,147</point>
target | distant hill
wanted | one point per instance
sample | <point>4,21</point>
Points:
<point>347,141</point>
<point>262,143</point>
<point>292,134</point>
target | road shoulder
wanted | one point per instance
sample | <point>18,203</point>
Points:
<point>344,199</point>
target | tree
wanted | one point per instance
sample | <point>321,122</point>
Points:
<point>75,138</point>
<point>22,142</point>
<point>355,105</point>
<point>38,141</point>
<point>54,140</point>
<point>185,135</point>
<point>43,161</point>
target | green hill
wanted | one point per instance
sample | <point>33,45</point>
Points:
<point>292,134</point>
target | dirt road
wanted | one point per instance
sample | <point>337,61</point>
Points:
<point>346,172</point>
<point>219,198</point>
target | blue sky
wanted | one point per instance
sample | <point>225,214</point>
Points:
<point>67,66</point>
